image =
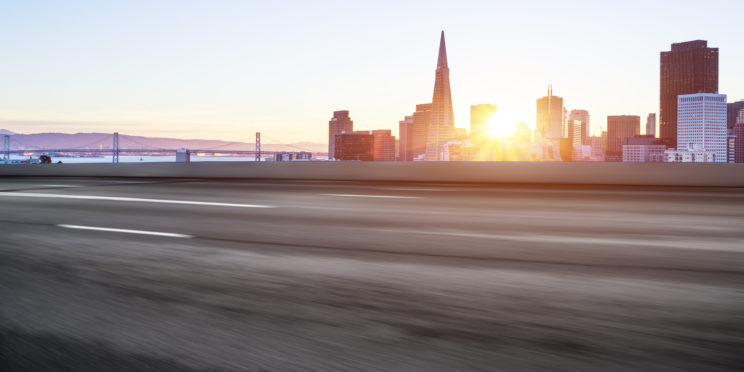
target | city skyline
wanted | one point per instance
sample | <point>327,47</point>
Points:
<point>190,83</point>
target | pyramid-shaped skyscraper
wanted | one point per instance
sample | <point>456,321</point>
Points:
<point>442,124</point>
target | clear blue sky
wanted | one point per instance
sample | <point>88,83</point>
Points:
<point>226,69</point>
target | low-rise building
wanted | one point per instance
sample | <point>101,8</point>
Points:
<point>546,150</point>
<point>459,151</point>
<point>384,145</point>
<point>597,148</point>
<point>183,156</point>
<point>293,156</point>
<point>357,145</point>
<point>693,154</point>
<point>643,149</point>
<point>644,153</point>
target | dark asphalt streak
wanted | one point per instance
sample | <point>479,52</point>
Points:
<point>382,255</point>
<point>453,277</point>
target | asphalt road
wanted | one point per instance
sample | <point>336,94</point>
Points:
<point>192,275</point>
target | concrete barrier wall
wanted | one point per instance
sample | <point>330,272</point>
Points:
<point>671,174</point>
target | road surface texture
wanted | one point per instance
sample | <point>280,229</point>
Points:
<point>210,275</point>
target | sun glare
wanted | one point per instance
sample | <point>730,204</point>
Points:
<point>500,127</point>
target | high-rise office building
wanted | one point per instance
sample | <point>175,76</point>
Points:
<point>731,147</point>
<point>583,117</point>
<point>358,145</point>
<point>480,118</point>
<point>384,145</point>
<point>421,120</point>
<point>550,116</point>
<point>689,68</point>
<point>405,139</point>
<point>739,140</point>
<point>732,112</point>
<point>618,129</point>
<point>651,125</point>
<point>341,122</point>
<point>574,134</point>
<point>701,121</point>
<point>442,124</point>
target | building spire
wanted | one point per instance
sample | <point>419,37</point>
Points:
<point>442,60</point>
<point>442,122</point>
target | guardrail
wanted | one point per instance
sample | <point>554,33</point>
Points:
<point>669,174</point>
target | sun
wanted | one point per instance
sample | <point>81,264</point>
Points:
<point>499,127</point>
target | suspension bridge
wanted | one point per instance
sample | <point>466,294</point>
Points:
<point>134,147</point>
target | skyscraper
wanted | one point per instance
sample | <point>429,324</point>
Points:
<point>549,116</point>
<point>583,117</point>
<point>384,145</point>
<point>618,129</point>
<point>405,139</point>
<point>689,68</point>
<point>341,122</point>
<point>732,112</point>
<point>575,131</point>
<point>739,140</point>
<point>480,116</point>
<point>701,123</point>
<point>651,125</point>
<point>731,149</point>
<point>421,120</point>
<point>442,125</point>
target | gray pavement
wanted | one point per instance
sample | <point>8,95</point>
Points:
<point>189,274</point>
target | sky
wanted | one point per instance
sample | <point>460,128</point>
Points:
<point>227,69</point>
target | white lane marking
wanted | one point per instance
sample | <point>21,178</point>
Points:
<point>127,199</point>
<point>412,189</point>
<point>126,231</point>
<point>725,193</point>
<point>59,185</point>
<point>372,196</point>
<point>670,242</point>
<point>129,182</point>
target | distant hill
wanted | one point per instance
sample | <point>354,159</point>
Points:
<point>4,131</point>
<point>105,140</point>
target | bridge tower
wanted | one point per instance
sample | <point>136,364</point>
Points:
<point>6,148</point>
<point>115,157</point>
<point>258,146</point>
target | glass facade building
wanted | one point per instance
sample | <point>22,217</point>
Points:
<point>619,128</point>
<point>690,67</point>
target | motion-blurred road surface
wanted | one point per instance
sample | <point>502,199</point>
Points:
<point>192,275</point>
